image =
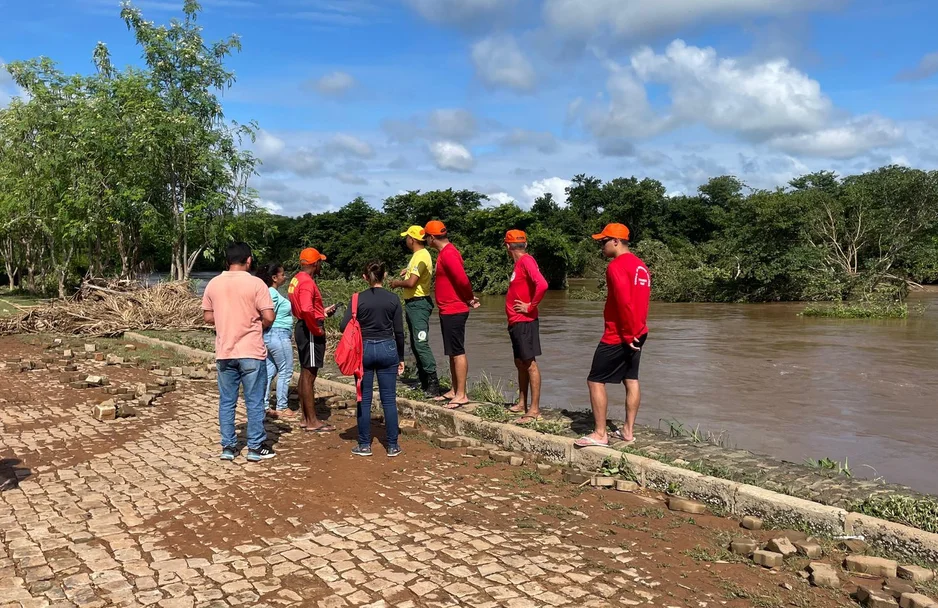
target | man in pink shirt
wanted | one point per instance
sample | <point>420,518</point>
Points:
<point>238,304</point>
<point>526,289</point>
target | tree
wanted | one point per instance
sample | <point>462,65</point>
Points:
<point>204,172</point>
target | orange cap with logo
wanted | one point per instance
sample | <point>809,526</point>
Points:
<point>310,256</point>
<point>516,236</point>
<point>435,228</point>
<point>613,231</point>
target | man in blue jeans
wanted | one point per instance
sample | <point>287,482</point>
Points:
<point>239,306</point>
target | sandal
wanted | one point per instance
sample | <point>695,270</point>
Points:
<point>326,428</point>
<point>455,406</point>
<point>588,442</point>
<point>526,420</point>
<point>617,434</point>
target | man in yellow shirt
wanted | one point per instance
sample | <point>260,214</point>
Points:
<point>418,305</point>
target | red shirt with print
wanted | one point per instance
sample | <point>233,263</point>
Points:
<point>527,285</point>
<point>629,288</point>
<point>453,289</point>
<point>306,302</point>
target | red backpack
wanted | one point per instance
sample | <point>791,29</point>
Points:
<point>348,353</point>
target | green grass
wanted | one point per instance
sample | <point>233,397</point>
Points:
<point>548,427</point>
<point>827,464</point>
<point>13,303</point>
<point>484,463</point>
<point>858,310</point>
<point>198,339</point>
<point>921,513</point>
<point>557,511</point>
<point>493,412</point>
<point>587,295</point>
<point>487,390</point>
<point>531,475</point>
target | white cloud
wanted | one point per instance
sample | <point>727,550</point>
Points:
<point>335,84</point>
<point>269,205</point>
<point>499,63</point>
<point>452,156</point>
<point>757,100</point>
<point>344,143</point>
<point>500,198</point>
<point>628,114</point>
<point>554,185</point>
<point>542,141</point>
<point>843,141</point>
<point>277,157</point>
<point>647,19</point>
<point>927,67</point>
<point>459,11</point>
<point>452,124</point>
<point>351,178</point>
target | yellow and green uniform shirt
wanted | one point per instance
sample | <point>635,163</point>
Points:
<point>421,265</point>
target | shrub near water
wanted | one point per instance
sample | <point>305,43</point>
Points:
<point>921,513</point>
<point>858,310</point>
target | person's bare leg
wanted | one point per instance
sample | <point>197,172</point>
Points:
<point>534,380</point>
<point>460,367</point>
<point>633,399</point>
<point>305,389</point>
<point>451,393</point>
<point>598,401</point>
<point>521,406</point>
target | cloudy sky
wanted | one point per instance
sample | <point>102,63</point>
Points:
<point>514,97</point>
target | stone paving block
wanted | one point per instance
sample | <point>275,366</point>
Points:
<point>877,566</point>
<point>916,600</point>
<point>624,485</point>
<point>872,598</point>
<point>104,412</point>
<point>599,481</point>
<point>744,546</point>
<point>500,456</point>
<point>823,575</point>
<point>449,443</point>
<point>686,505</point>
<point>783,546</point>
<point>809,548</point>
<point>896,587</point>
<point>916,574</point>
<point>767,559</point>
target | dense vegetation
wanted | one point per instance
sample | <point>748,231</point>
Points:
<point>121,172</point>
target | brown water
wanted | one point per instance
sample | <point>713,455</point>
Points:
<point>776,383</point>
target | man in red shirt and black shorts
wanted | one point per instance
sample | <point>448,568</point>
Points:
<point>310,334</point>
<point>454,298</point>
<point>526,289</point>
<point>619,353</point>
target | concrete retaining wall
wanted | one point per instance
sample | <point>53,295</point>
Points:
<point>779,510</point>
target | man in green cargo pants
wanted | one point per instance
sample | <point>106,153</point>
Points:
<point>417,307</point>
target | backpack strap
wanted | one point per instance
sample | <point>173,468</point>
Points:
<point>355,306</point>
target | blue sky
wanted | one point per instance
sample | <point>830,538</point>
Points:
<point>515,97</point>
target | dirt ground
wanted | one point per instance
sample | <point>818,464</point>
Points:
<point>140,512</point>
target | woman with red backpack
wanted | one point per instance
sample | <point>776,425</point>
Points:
<point>380,317</point>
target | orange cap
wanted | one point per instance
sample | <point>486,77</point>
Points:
<point>435,228</point>
<point>516,236</point>
<point>613,231</point>
<point>310,256</point>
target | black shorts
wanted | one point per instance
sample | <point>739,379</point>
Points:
<point>613,363</point>
<point>311,349</point>
<point>526,340</point>
<point>454,334</point>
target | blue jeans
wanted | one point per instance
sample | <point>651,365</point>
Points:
<point>279,363</point>
<point>252,375</point>
<point>380,357</point>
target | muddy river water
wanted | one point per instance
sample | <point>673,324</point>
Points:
<point>774,382</point>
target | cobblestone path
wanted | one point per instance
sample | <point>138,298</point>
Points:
<point>140,512</point>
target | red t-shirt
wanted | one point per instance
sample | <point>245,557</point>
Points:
<point>306,302</point>
<point>629,288</point>
<point>528,285</point>
<point>453,289</point>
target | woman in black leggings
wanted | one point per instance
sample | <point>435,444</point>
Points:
<point>381,319</point>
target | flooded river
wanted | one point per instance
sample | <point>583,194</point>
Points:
<point>776,383</point>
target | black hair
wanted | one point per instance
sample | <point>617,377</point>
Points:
<point>237,253</point>
<point>267,272</point>
<point>375,271</point>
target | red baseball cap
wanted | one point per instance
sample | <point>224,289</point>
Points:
<point>435,228</point>
<point>613,231</point>
<point>310,256</point>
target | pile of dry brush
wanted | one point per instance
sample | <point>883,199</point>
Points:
<point>109,309</point>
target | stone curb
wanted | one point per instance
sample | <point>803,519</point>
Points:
<point>779,510</point>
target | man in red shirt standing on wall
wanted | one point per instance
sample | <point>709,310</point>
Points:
<point>310,334</point>
<point>454,298</point>
<point>526,289</point>
<point>628,287</point>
